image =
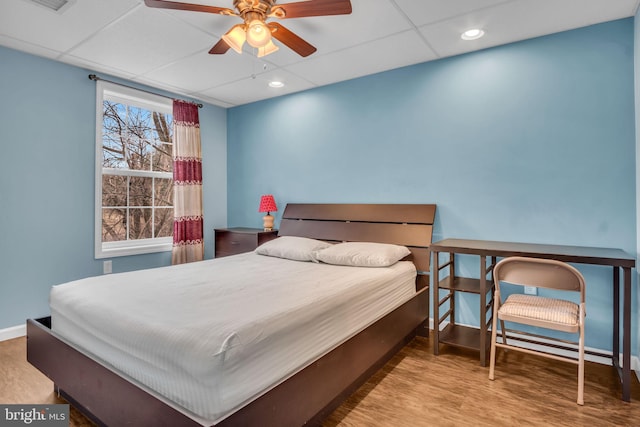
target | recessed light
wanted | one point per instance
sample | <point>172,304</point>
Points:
<point>472,34</point>
<point>276,84</point>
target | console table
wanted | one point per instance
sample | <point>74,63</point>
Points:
<point>480,338</point>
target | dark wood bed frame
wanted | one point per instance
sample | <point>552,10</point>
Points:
<point>309,396</point>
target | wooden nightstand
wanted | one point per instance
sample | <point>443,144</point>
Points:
<point>232,241</point>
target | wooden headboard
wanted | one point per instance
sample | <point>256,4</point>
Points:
<point>400,224</point>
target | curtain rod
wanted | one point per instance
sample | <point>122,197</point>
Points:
<point>96,78</point>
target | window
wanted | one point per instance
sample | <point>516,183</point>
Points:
<point>134,172</point>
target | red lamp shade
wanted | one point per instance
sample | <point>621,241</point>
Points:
<point>267,204</point>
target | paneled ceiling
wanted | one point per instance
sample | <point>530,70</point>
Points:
<point>168,49</point>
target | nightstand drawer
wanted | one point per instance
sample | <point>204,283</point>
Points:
<point>232,241</point>
<point>235,242</point>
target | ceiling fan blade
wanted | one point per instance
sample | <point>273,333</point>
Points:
<point>316,8</point>
<point>220,48</point>
<point>188,6</point>
<point>294,42</point>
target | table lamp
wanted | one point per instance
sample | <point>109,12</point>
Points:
<point>268,205</point>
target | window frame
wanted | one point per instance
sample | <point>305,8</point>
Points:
<point>140,99</point>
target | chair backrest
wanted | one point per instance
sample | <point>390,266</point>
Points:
<point>543,273</point>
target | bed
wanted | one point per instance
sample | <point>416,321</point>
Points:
<point>297,390</point>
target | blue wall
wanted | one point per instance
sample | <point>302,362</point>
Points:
<point>47,140</point>
<point>532,141</point>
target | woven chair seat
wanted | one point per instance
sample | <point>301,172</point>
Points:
<point>546,312</point>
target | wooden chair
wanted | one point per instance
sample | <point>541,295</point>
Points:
<point>549,313</point>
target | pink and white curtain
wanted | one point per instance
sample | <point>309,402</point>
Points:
<point>187,184</point>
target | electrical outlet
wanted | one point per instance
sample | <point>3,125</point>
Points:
<point>106,267</point>
<point>530,290</point>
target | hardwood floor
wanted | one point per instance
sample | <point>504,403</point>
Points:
<point>22,383</point>
<point>417,388</point>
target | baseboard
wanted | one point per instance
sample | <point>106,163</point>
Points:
<point>605,359</point>
<point>13,332</point>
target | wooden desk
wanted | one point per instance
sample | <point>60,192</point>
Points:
<point>615,258</point>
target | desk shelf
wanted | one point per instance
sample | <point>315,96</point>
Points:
<point>460,284</point>
<point>464,337</point>
<point>478,339</point>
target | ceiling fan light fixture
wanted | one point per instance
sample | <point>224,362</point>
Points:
<point>472,34</point>
<point>254,14</point>
<point>258,34</point>
<point>235,38</point>
<point>267,49</point>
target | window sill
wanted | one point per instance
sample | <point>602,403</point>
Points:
<point>112,252</point>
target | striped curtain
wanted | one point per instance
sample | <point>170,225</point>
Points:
<point>188,244</point>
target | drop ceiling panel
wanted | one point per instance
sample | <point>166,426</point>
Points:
<point>202,71</point>
<point>573,13</point>
<point>143,40</point>
<point>101,68</point>
<point>370,20</point>
<point>429,11</point>
<point>444,37</point>
<point>214,101</point>
<point>518,20</point>
<point>35,24</point>
<point>405,48</point>
<point>251,89</point>
<point>23,46</point>
<point>212,23</point>
<point>283,57</point>
<point>170,89</point>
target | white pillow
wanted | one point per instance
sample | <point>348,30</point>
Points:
<point>292,247</point>
<point>362,254</point>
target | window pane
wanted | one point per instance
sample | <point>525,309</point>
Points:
<point>138,153</point>
<point>163,127</point>
<point>164,192</point>
<point>113,134</point>
<point>162,159</point>
<point>139,120</point>
<point>114,190</point>
<point>140,191</point>
<point>136,138</point>
<point>164,222</point>
<point>113,225</point>
<point>113,113</point>
<point>113,155</point>
<point>162,136</point>
<point>140,223</point>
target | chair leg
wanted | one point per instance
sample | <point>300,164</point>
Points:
<point>581,368</point>
<point>492,359</point>
<point>504,332</point>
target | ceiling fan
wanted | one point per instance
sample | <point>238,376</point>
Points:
<point>255,30</point>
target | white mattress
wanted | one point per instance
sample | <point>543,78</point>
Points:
<point>211,336</point>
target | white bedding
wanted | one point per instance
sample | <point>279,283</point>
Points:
<point>212,336</point>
